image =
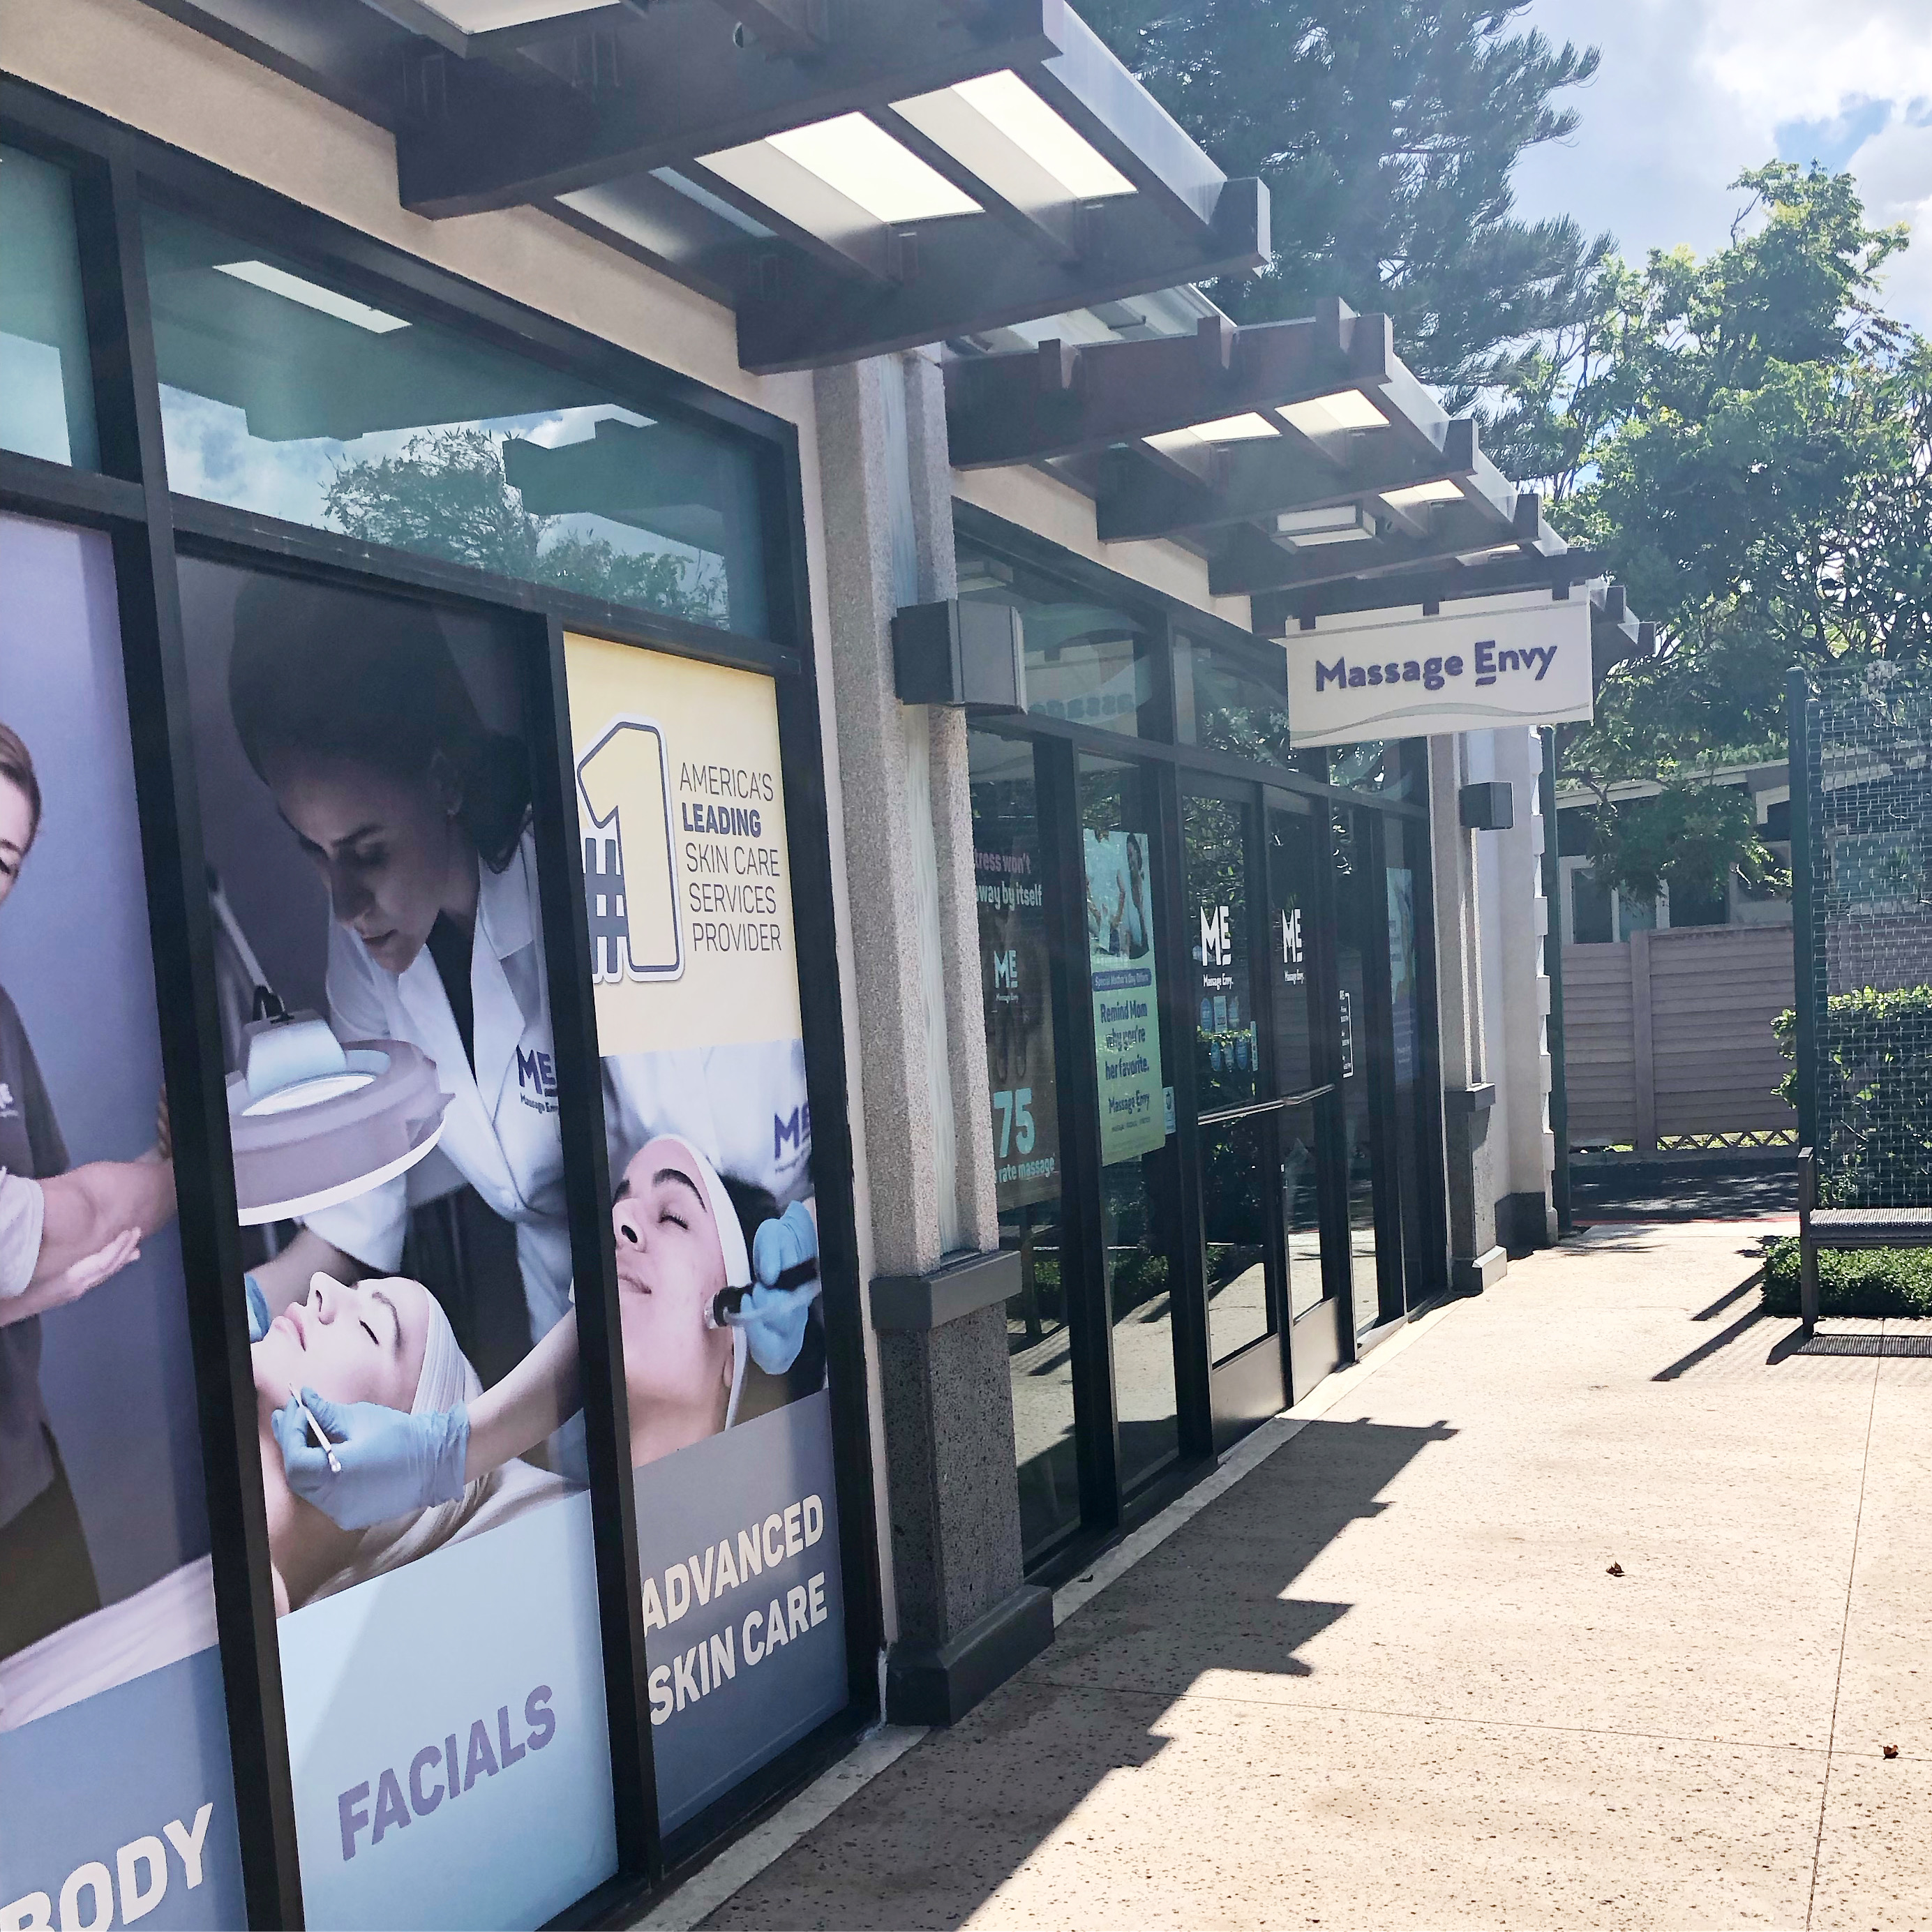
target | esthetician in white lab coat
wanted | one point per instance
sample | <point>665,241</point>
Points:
<point>416,815</point>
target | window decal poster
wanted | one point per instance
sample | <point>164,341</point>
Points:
<point>117,1803</point>
<point>688,900</point>
<point>384,1000</point>
<point>1126,1014</point>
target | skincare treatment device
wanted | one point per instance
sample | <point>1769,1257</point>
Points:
<point>315,1122</point>
<point>322,1441</point>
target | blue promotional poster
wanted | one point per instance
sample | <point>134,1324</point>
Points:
<point>117,1804</point>
<point>714,1215</point>
<point>365,796</point>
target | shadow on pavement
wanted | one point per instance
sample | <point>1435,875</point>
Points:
<point>931,1839</point>
<point>1699,1190</point>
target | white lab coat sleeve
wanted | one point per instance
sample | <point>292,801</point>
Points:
<point>22,1218</point>
<point>372,1226</point>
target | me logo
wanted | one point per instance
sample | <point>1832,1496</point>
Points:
<point>538,1072</point>
<point>1217,941</point>
<point>1290,938</point>
<point>630,892</point>
<point>1006,971</point>
<point>797,1130</point>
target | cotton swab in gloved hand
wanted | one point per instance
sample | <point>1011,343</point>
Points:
<point>322,1441</point>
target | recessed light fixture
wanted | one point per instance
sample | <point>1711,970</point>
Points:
<point>1338,523</point>
<point>863,162</point>
<point>1442,490</point>
<point>1248,427</point>
<point>312,295</point>
<point>1030,123</point>
<point>1330,415</point>
<point>485,16</point>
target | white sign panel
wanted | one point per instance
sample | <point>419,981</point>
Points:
<point>1523,659</point>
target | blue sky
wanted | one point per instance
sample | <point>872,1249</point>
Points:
<point>1692,92</point>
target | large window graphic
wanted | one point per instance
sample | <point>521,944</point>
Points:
<point>110,1681</point>
<point>393,1106</point>
<point>715,1217</point>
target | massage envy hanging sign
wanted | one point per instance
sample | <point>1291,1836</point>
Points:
<point>1523,659</point>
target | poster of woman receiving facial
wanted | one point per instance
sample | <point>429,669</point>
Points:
<point>392,1102</point>
<point>708,1125</point>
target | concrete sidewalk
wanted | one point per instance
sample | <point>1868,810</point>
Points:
<point>1386,1680</point>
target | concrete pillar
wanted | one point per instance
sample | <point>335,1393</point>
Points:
<point>1525,1204</point>
<point>1475,1259</point>
<point>964,1620</point>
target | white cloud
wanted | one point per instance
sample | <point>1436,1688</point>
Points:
<point>1692,92</point>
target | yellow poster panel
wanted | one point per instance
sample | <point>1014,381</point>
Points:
<point>687,873</point>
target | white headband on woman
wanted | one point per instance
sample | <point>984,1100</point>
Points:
<point>446,1379</point>
<point>731,1246</point>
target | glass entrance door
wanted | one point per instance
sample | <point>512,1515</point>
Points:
<point>1236,1100</point>
<point>1373,1280</point>
<point>1305,1075</point>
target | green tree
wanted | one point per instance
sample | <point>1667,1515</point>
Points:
<point>1386,131</point>
<point>445,495</point>
<point>1745,439</point>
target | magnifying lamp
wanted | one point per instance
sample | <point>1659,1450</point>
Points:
<point>315,1121</point>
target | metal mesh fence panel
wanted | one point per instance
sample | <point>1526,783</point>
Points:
<point>1868,758</point>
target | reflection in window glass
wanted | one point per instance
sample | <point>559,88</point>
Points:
<point>1017,992</point>
<point>1301,1210</point>
<point>1391,767</point>
<point>47,393</point>
<point>1231,703</point>
<point>1227,1047</point>
<point>1234,1215</point>
<point>1359,914</point>
<point>1401,873</point>
<point>1086,661</point>
<point>1140,1172</point>
<point>282,394</point>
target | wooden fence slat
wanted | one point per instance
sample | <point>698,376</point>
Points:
<point>1670,1033</point>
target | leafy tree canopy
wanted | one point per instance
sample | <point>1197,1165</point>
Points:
<point>1746,440</point>
<point>1386,131</point>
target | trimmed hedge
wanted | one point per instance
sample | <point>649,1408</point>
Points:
<point>1861,1281</point>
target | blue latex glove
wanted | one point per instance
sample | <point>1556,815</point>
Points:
<point>789,1242</point>
<point>392,1464</point>
<point>773,1320</point>
<point>259,1317</point>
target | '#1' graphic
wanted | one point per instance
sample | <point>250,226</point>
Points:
<point>630,890</point>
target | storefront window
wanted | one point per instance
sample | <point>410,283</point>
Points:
<point>1087,661</point>
<point>707,1120</point>
<point>113,1719</point>
<point>46,394</point>
<point>1231,702</point>
<point>1016,988</point>
<point>284,394</point>
<point>1291,872</point>
<point>1360,909</point>
<point>363,769</point>
<point>1140,1172</point>
<point>1394,768</point>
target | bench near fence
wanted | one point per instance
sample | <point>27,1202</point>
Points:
<point>1668,1041</point>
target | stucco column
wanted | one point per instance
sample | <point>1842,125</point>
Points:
<point>964,1619</point>
<point>1519,1059</point>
